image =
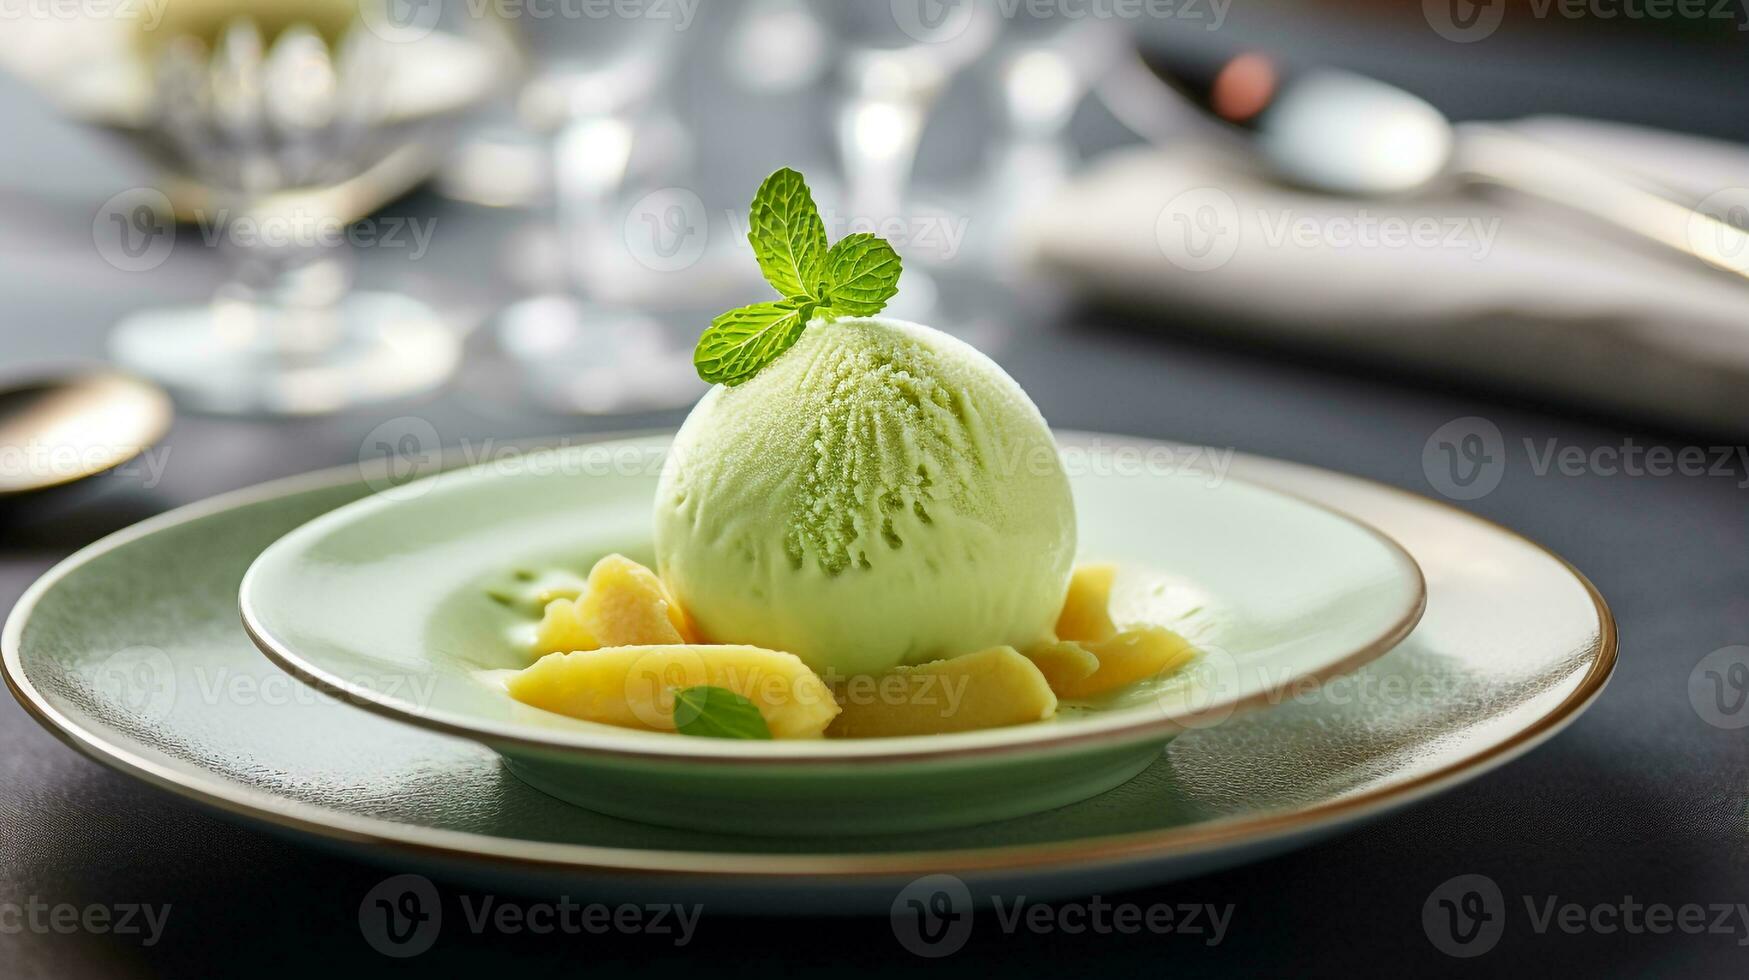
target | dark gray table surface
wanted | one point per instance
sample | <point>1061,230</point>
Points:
<point>1641,801</point>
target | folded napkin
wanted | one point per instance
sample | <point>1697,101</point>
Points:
<point>1488,284</point>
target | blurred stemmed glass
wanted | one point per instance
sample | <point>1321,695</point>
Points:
<point>600,75</point>
<point>897,59</point>
<point>1045,65</point>
<point>287,133</point>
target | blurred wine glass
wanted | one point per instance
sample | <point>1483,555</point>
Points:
<point>290,122</point>
<point>1042,69</point>
<point>895,61</point>
<point>598,92</point>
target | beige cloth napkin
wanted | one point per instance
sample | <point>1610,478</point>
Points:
<point>1490,285</point>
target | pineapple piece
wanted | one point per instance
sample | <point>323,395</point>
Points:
<point>561,631</point>
<point>624,604</point>
<point>1062,662</point>
<point>1086,615</point>
<point>988,689</point>
<point>634,686</point>
<point>1128,657</point>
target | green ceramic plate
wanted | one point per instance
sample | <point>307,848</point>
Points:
<point>132,652</point>
<point>387,602</point>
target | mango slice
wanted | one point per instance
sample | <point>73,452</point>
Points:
<point>1062,662</point>
<point>1128,657</point>
<point>561,631</point>
<point>988,689</point>
<point>634,686</point>
<point>1086,615</point>
<point>624,604</point>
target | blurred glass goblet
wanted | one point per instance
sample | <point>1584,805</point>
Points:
<point>1040,72</point>
<point>287,138</point>
<point>590,342</point>
<point>897,59</point>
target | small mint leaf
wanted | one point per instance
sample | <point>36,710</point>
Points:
<point>742,341</point>
<point>787,235</point>
<point>717,712</point>
<point>863,272</point>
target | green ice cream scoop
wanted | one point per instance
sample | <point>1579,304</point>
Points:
<point>880,494</point>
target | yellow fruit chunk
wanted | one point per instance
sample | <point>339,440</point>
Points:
<point>1086,615</point>
<point>623,605</point>
<point>988,689</point>
<point>560,630</point>
<point>1128,657</point>
<point>634,686</point>
<point>1062,662</point>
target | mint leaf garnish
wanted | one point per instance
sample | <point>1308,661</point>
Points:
<point>717,712</point>
<point>742,341</point>
<point>788,237</point>
<point>864,272</point>
<point>855,277</point>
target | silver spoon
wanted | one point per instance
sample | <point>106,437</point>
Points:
<point>56,430</point>
<point>1342,133</point>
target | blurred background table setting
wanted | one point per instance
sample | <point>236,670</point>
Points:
<point>276,236</point>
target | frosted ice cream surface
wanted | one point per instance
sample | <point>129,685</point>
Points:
<point>879,494</point>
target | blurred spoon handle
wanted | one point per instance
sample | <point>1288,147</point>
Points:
<point>1493,155</point>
